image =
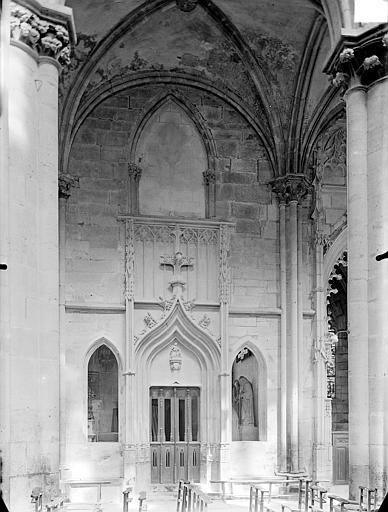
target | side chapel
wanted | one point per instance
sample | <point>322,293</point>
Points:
<point>192,197</point>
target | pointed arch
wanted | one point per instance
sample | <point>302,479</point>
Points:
<point>262,384</point>
<point>178,325</point>
<point>103,392</point>
<point>167,79</point>
<point>189,108</point>
<point>95,344</point>
<point>134,18</point>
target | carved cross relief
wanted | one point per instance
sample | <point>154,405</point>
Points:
<point>177,262</point>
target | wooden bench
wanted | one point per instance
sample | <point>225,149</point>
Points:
<point>317,493</point>
<point>368,499</point>
<point>256,503</point>
<point>191,498</point>
<point>97,483</point>
<point>333,499</point>
<point>270,480</point>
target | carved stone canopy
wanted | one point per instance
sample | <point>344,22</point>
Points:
<point>291,187</point>
<point>46,32</point>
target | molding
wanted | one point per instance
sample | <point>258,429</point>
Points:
<point>190,110</point>
<point>71,307</point>
<point>301,94</point>
<point>241,312</point>
<point>156,305</point>
<point>166,79</point>
<point>174,220</point>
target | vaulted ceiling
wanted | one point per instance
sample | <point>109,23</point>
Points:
<point>268,54</point>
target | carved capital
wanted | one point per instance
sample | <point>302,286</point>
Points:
<point>361,60</point>
<point>65,184</point>
<point>45,31</point>
<point>186,5</point>
<point>134,171</point>
<point>209,176</point>
<point>292,187</point>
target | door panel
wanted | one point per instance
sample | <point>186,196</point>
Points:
<point>174,432</point>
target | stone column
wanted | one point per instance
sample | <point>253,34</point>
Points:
<point>39,44</point>
<point>225,375</point>
<point>209,178</point>
<point>65,184</point>
<point>357,288</point>
<point>5,324</point>
<point>377,214</point>
<point>283,339</point>
<point>134,175</point>
<point>129,455</point>
<point>291,189</point>
<point>361,66</point>
<point>322,464</point>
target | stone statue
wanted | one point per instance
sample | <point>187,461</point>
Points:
<point>246,402</point>
<point>243,401</point>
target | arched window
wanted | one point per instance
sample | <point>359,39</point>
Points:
<point>103,424</point>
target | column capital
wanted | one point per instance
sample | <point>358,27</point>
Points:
<point>48,32</point>
<point>134,171</point>
<point>209,176</point>
<point>291,187</point>
<point>65,183</point>
<point>359,59</point>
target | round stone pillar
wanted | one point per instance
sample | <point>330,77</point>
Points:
<point>377,197</point>
<point>357,287</point>
<point>30,325</point>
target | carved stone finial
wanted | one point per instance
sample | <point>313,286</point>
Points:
<point>186,5</point>
<point>292,187</point>
<point>65,183</point>
<point>209,176</point>
<point>134,171</point>
<point>39,32</point>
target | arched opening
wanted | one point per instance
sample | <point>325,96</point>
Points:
<point>248,398</point>
<point>103,409</point>
<point>173,159</point>
<point>337,367</point>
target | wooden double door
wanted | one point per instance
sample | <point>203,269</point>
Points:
<point>174,428</point>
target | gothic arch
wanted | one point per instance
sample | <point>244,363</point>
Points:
<point>262,384</point>
<point>192,112</point>
<point>98,343</point>
<point>166,79</point>
<point>178,325</point>
<point>137,16</point>
<point>93,347</point>
<point>338,247</point>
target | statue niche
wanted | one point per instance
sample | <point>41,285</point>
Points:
<point>244,397</point>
